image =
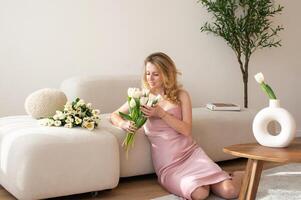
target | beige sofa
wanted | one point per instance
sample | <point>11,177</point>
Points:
<point>41,162</point>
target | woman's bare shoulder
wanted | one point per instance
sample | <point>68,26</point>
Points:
<point>183,94</point>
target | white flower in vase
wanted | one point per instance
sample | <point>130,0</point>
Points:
<point>265,87</point>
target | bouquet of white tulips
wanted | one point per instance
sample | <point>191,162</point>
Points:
<point>135,99</point>
<point>76,113</point>
<point>265,87</point>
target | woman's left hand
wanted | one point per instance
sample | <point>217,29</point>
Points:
<point>155,111</point>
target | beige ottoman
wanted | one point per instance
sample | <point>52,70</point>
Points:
<point>39,162</point>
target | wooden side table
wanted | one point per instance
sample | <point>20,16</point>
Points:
<point>257,155</point>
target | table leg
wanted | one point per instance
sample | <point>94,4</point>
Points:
<point>251,180</point>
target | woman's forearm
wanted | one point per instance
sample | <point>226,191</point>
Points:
<point>179,125</point>
<point>116,120</point>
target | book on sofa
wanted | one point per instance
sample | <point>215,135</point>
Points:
<point>223,106</point>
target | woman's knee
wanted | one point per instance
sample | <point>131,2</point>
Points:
<point>200,193</point>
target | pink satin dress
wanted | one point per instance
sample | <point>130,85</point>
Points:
<point>180,164</point>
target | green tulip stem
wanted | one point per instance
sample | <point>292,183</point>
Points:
<point>268,90</point>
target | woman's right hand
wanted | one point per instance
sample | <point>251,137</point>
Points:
<point>129,126</point>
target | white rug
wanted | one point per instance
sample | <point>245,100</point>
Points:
<point>278,183</point>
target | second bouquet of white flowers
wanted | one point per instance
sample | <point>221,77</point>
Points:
<point>75,114</point>
<point>135,99</point>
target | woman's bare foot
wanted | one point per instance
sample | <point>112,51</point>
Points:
<point>237,178</point>
<point>229,188</point>
<point>237,173</point>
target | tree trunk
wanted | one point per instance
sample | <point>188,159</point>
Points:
<point>244,67</point>
<point>245,79</point>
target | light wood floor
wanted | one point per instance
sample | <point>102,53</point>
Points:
<point>140,187</point>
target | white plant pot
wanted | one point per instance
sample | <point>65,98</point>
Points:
<point>274,113</point>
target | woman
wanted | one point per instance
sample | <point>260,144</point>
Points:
<point>181,165</point>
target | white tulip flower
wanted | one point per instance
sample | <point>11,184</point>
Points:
<point>68,106</point>
<point>89,125</point>
<point>145,92</point>
<point>151,99</point>
<point>159,97</point>
<point>68,125</point>
<point>149,103</point>
<point>80,102</point>
<point>69,119</point>
<point>62,116</point>
<point>265,87</point>
<point>259,77</point>
<point>137,94</point>
<point>86,119</point>
<point>95,112</point>
<point>132,103</point>
<point>50,122</point>
<point>130,92</point>
<point>78,120</point>
<point>95,118</point>
<point>58,112</point>
<point>143,100</point>
<point>57,123</point>
<point>55,117</point>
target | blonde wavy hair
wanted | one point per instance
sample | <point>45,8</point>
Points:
<point>168,72</point>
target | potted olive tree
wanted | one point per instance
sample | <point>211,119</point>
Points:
<point>246,26</point>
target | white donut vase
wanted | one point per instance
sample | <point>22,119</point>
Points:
<point>274,113</point>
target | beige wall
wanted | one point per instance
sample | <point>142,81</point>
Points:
<point>43,42</point>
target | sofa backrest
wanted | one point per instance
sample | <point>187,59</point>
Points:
<point>106,93</point>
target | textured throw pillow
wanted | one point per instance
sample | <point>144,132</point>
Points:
<point>44,102</point>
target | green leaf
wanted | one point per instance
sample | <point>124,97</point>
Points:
<point>270,92</point>
<point>140,122</point>
<point>125,116</point>
<point>130,109</point>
